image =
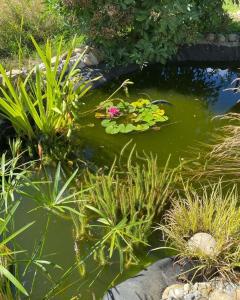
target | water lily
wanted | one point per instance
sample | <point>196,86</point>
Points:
<point>159,112</point>
<point>140,103</point>
<point>113,111</point>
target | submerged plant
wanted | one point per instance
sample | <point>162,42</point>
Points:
<point>213,212</point>
<point>54,192</point>
<point>120,208</point>
<point>125,117</point>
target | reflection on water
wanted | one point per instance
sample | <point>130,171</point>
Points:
<point>197,93</point>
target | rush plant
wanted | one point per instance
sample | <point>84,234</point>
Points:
<point>120,208</point>
<point>41,106</point>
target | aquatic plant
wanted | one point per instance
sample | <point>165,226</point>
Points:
<point>139,115</point>
<point>40,108</point>
<point>6,254</point>
<point>53,192</point>
<point>120,208</point>
<point>13,171</point>
<point>210,211</point>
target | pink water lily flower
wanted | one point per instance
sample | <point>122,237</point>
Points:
<point>113,111</point>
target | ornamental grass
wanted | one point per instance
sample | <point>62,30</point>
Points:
<point>211,210</point>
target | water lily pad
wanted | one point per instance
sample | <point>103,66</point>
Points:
<point>107,122</point>
<point>112,129</point>
<point>161,119</point>
<point>142,127</point>
<point>128,128</point>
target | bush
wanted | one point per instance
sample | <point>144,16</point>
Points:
<point>21,18</point>
<point>140,31</point>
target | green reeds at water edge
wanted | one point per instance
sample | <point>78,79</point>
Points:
<point>41,107</point>
<point>120,208</point>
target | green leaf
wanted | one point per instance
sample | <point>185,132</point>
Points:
<point>13,279</point>
<point>106,123</point>
<point>112,129</point>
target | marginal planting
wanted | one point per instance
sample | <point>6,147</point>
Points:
<point>212,211</point>
<point>120,208</point>
<point>41,108</point>
<point>221,158</point>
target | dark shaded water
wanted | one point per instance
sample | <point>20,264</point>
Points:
<point>196,94</point>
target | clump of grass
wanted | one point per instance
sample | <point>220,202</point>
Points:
<point>21,18</point>
<point>210,211</point>
<point>120,208</point>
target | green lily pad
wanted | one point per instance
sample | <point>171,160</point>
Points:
<point>142,127</point>
<point>112,129</point>
<point>106,123</point>
<point>161,119</point>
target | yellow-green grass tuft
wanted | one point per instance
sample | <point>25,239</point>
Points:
<point>213,211</point>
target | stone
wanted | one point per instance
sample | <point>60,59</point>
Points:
<point>221,38</point>
<point>90,60</point>
<point>174,290</point>
<point>220,295</point>
<point>233,37</point>
<point>204,288</point>
<point>210,37</point>
<point>237,294</point>
<point>151,282</point>
<point>203,242</point>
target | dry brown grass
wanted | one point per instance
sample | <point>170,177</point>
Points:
<point>221,158</point>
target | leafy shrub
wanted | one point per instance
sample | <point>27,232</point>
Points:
<point>21,18</point>
<point>140,31</point>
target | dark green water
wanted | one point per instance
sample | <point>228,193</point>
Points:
<point>196,95</point>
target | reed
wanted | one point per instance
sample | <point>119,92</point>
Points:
<point>120,209</point>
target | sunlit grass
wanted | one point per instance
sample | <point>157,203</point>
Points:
<point>120,208</point>
<point>208,210</point>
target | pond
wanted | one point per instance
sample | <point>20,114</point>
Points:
<point>197,93</point>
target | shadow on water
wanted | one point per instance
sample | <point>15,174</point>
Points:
<point>197,94</point>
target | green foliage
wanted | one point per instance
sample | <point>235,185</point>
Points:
<point>40,108</point>
<point>140,115</point>
<point>21,18</point>
<point>120,208</point>
<point>5,253</point>
<point>210,211</point>
<point>143,31</point>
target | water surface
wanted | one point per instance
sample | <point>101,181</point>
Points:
<point>197,93</point>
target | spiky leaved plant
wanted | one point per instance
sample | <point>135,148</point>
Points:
<point>210,210</point>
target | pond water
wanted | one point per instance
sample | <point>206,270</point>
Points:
<point>196,94</point>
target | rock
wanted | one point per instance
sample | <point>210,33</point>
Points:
<point>174,290</point>
<point>221,38</point>
<point>210,37</point>
<point>90,60</point>
<point>237,294</point>
<point>151,282</point>
<point>14,74</point>
<point>204,288</point>
<point>220,295</point>
<point>203,242</point>
<point>233,37</point>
